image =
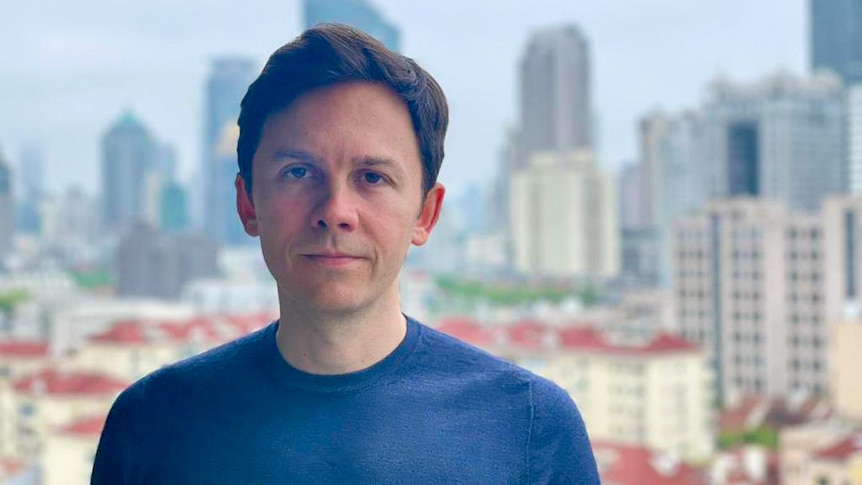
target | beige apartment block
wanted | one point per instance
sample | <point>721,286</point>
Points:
<point>17,359</point>
<point>69,451</point>
<point>748,277</point>
<point>53,398</point>
<point>846,368</point>
<point>564,217</point>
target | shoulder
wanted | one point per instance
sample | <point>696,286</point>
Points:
<point>208,369</point>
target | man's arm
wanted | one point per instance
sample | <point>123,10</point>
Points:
<point>559,448</point>
<point>112,463</point>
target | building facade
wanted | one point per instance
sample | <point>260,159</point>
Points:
<point>128,153</point>
<point>836,37</point>
<point>227,83</point>
<point>748,277</point>
<point>7,211</point>
<point>359,14</point>
<point>781,138</point>
<point>556,92</point>
<point>564,217</point>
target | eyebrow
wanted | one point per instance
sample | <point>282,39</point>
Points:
<point>365,161</point>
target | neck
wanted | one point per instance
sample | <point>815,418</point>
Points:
<point>339,343</point>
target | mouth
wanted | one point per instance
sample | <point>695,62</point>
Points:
<point>332,260</point>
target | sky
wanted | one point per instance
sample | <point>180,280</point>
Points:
<point>69,69</point>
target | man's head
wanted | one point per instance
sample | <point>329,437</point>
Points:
<point>330,54</point>
<point>340,145</point>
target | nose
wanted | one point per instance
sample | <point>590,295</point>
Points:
<point>336,209</point>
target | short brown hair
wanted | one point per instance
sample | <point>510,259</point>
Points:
<point>333,53</point>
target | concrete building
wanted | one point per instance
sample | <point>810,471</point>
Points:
<point>69,451</point>
<point>673,177</point>
<point>226,84</point>
<point>7,210</point>
<point>157,265</point>
<point>781,138</point>
<point>842,236</point>
<point>564,217</point>
<point>556,111</point>
<point>854,139</point>
<point>836,34</point>
<point>748,277</point>
<point>359,14</point>
<point>54,398</point>
<point>128,152</point>
<point>845,363</point>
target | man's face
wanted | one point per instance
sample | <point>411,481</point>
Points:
<point>337,196</point>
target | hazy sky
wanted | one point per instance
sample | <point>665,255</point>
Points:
<point>68,69</point>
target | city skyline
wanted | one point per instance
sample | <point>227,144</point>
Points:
<point>84,68</point>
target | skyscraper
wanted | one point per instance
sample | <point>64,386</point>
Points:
<point>127,159</point>
<point>854,138</point>
<point>31,182</point>
<point>359,14</point>
<point>556,92</point>
<point>836,38</point>
<point>782,138</point>
<point>228,81</point>
<point>7,222</point>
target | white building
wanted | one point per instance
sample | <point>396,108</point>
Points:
<point>564,217</point>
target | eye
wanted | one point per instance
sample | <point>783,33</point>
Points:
<point>296,172</point>
<point>372,178</point>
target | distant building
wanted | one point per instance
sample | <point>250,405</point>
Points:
<point>128,152</point>
<point>555,108</point>
<point>625,464</point>
<point>226,85</point>
<point>359,14</point>
<point>836,34</point>
<point>633,210</point>
<point>156,265</point>
<point>748,277</point>
<point>845,362</point>
<point>7,210</point>
<point>31,182</point>
<point>564,217</point>
<point>842,227</point>
<point>854,138</point>
<point>782,138</point>
<point>673,177</point>
<point>173,208</point>
<point>69,451</point>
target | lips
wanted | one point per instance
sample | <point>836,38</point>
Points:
<point>331,259</point>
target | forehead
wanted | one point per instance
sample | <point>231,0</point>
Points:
<point>355,116</point>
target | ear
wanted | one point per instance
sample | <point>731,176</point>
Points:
<point>431,207</point>
<point>245,207</point>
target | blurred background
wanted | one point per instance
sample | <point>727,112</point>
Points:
<point>657,204</point>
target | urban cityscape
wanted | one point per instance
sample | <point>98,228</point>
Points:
<point>700,302</point>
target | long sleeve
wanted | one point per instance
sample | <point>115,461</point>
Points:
<point>559,448</point>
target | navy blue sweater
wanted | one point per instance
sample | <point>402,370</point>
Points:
<point>436,410</point>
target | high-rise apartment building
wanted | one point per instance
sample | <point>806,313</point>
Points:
<point>673,177</point>
<point>556,92</point>
<point>564,217</point>
<point>227,83</point>
<point>836,38</point>
<point>748,277</point>
<point>359,14</point>
<point>127,163</point>
<point>7,212</point>
<point>854,139</point>
<point>156,265</point>
<point>31,183</point>
<point>782,138</point>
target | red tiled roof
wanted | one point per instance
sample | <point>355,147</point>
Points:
<point>633,465</point>
<point>212,329</point>
<point>11,348</point>
<point>69,383</point>
<point>88,427</point>
<point>774,412</point>
<point>529,334</point>
<point>468,330</point>
<point>842,450</point>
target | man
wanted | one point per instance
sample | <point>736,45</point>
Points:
<point>340,144</point>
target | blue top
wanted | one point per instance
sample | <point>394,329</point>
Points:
<point>436,410</point>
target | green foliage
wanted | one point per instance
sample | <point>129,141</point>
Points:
<point>92,278</point>
<point>762,436</point>
<point>9,299</point>
<point>511,294</point>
